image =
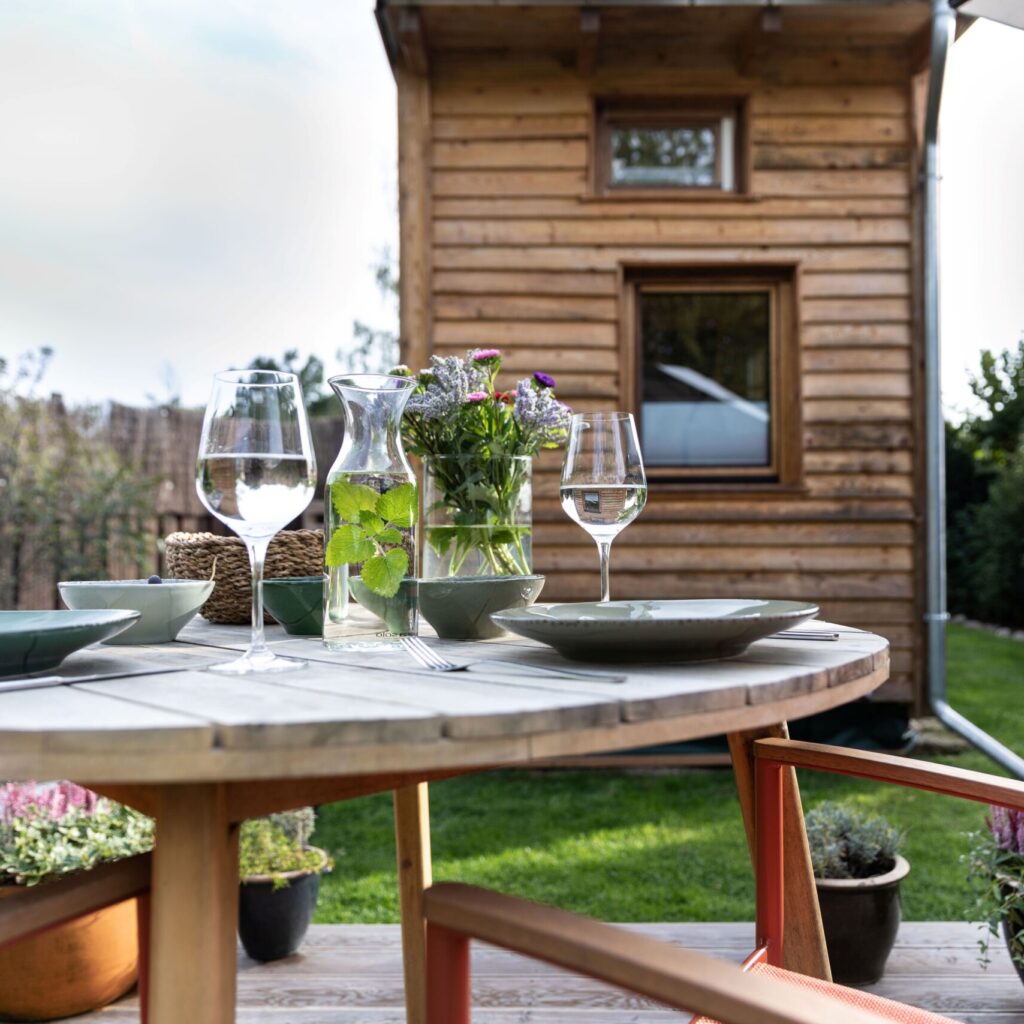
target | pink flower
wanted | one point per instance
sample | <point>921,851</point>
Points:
<point>53,801</point>
<point>477,396</point>
<point>484,355</point>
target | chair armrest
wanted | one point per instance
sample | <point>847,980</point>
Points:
<point>31,909</point>
<point>901,771</point>
<point>676,977</point>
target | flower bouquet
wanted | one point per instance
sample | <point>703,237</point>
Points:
<point>477,443</point>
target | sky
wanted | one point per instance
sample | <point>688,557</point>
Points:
<point>185,184</point>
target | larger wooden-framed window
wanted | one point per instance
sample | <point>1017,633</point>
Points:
<point>712,366</point>
<point>679,147</point>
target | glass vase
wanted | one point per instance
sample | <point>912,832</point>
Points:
<point>478,516</point>
<point>371,505</point>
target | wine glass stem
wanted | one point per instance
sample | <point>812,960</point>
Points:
<point>257,555</point>
<point>605,549</point>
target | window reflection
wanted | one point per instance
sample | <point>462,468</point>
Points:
<point>705,384</point>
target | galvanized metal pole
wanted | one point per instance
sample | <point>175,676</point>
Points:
<point>936,615</point>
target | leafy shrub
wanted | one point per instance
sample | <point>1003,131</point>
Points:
<point>846,844</point>
<point>277,844</point>
<point>995,548</point>
<point>56,829</point>
<point>996,870</point>
<point>70,505</point>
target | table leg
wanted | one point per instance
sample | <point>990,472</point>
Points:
<point>194,907</point>
<point>804,950</point>
<point>412,845</point>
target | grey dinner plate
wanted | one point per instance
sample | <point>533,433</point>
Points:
<point>638,631</point>
<point>37,641</point>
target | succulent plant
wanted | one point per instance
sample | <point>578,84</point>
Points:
<point>847,844</point>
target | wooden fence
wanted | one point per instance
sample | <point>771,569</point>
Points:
<point>158,444</point>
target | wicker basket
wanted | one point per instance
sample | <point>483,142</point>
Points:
<point>190,556</point>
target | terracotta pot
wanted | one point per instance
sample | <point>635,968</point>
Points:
<point>861,917</point>
<point>73,968</point>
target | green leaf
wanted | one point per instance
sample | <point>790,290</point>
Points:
<point>371,523</point>
<point>390,536</point>
<point>350,499</point>
<point>440,538</point>
<point>348,544</point>
<point>398,506</point>
<point>383,574</point>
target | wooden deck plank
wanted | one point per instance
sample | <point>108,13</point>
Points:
<point>352,973</point>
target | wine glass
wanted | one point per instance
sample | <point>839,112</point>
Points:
<point>603,483</point>
<point>256,472</point>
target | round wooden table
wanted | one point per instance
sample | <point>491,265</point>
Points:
<point>202,752</point>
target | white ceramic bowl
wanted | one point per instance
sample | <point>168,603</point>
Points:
<point>166,607</point>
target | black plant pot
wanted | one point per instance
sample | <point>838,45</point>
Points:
<point>861,917</point>
<point>273,922</point>
<point>1013,923</point>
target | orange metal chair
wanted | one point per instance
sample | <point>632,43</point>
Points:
<point>759,992</point>
<point>37,909</point>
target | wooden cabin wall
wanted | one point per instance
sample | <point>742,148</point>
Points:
<point>521,257</point>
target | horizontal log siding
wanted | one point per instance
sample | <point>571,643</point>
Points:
<point>524,258</point>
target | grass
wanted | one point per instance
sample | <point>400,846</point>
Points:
<point>661,847</point>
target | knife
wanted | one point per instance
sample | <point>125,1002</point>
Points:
<point>41,682</point>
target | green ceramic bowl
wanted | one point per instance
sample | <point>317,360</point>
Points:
<point>37,641</point>
<point>460,607</point>
<point>297,602</point>
<point>165,608</point>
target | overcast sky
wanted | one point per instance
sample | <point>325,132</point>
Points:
<point>185,184</point>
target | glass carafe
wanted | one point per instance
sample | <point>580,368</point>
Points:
<point>370,509</point>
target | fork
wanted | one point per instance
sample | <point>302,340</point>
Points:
<point>429,658</point>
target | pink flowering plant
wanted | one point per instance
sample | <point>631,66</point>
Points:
<point>55,828</point>
<point>478,441</point>
<point>996,871</point>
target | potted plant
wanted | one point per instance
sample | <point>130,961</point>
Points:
<point>857,872</point>
<point>280,881</point>
<point>46,832</point>
<point>477,443</point>
<point>996,870</point>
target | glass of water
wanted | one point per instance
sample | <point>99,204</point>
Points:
<point>603,483</point>
<point>256,472</point>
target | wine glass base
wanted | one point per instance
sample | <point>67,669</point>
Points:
<point>253,664</point>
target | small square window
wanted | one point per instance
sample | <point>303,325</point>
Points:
<point>663,145</point>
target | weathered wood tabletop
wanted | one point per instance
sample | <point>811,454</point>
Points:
<point>202,752</point>
<point>367,712</point>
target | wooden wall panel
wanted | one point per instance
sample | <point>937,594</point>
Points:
<point>525,258</point>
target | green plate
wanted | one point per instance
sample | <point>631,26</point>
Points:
<point>638,631</point>
<point>38,641</point>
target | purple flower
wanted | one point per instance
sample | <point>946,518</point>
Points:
<point>545,380</point>
<point>538,410</point>
<point>1007,828</point>
<point>447,384</point>
<point>477,396</point>
<point>485,355</point>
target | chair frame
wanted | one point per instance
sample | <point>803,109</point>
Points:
<point>680,978</point>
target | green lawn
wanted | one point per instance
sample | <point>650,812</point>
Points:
<point>660,847</point>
